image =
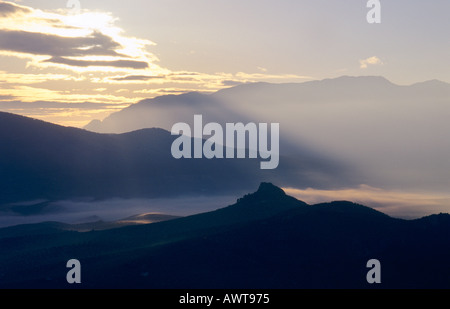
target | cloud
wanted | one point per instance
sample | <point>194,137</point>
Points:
<point>257,77</point>
<point>85,40</point>
<point>135,78</point>
<point>95,44</point>
<point>185,77</point>
<point>364,64</point>
<point>52,105</point>
<point>8,9</point>
<point>59,48</point>
<point>39,93</point>
<point>16,78</point>
<point>173,91</point>
<point>264,70</point>
<point>166,91</point>
<point>185,74</point>
<point>99,63</point>
<point>6,97</point>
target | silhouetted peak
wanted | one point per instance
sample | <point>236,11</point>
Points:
<point>93,125</point>
<point>266,192</point>
<point>270,190</point>
<point>268,201</point>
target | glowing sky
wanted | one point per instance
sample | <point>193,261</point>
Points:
<point>70,67</point>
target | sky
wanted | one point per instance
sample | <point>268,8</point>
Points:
<point>70,65</point>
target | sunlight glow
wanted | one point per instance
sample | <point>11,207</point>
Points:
<point>81,53</point>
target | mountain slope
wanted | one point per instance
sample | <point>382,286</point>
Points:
<point>161,112</point>
<point>265,240</point>
<point>41,161</point>
<point>45,162</point>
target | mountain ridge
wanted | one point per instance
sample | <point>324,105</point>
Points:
<point>361,83</point>
<point>43,161</point>
<point>48,162</point>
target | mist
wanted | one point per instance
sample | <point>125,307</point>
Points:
<point>88,210</point>
<point>394,137</point>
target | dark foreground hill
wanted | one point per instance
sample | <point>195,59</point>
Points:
<point>266,240</point>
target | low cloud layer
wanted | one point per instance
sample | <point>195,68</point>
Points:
<point>85,211</point>
<point>408,205</point>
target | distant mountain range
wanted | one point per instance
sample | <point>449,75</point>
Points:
<point>266,240</point>
<point>44,162</point>
<point>264,101</point>
<point>383,130</point>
